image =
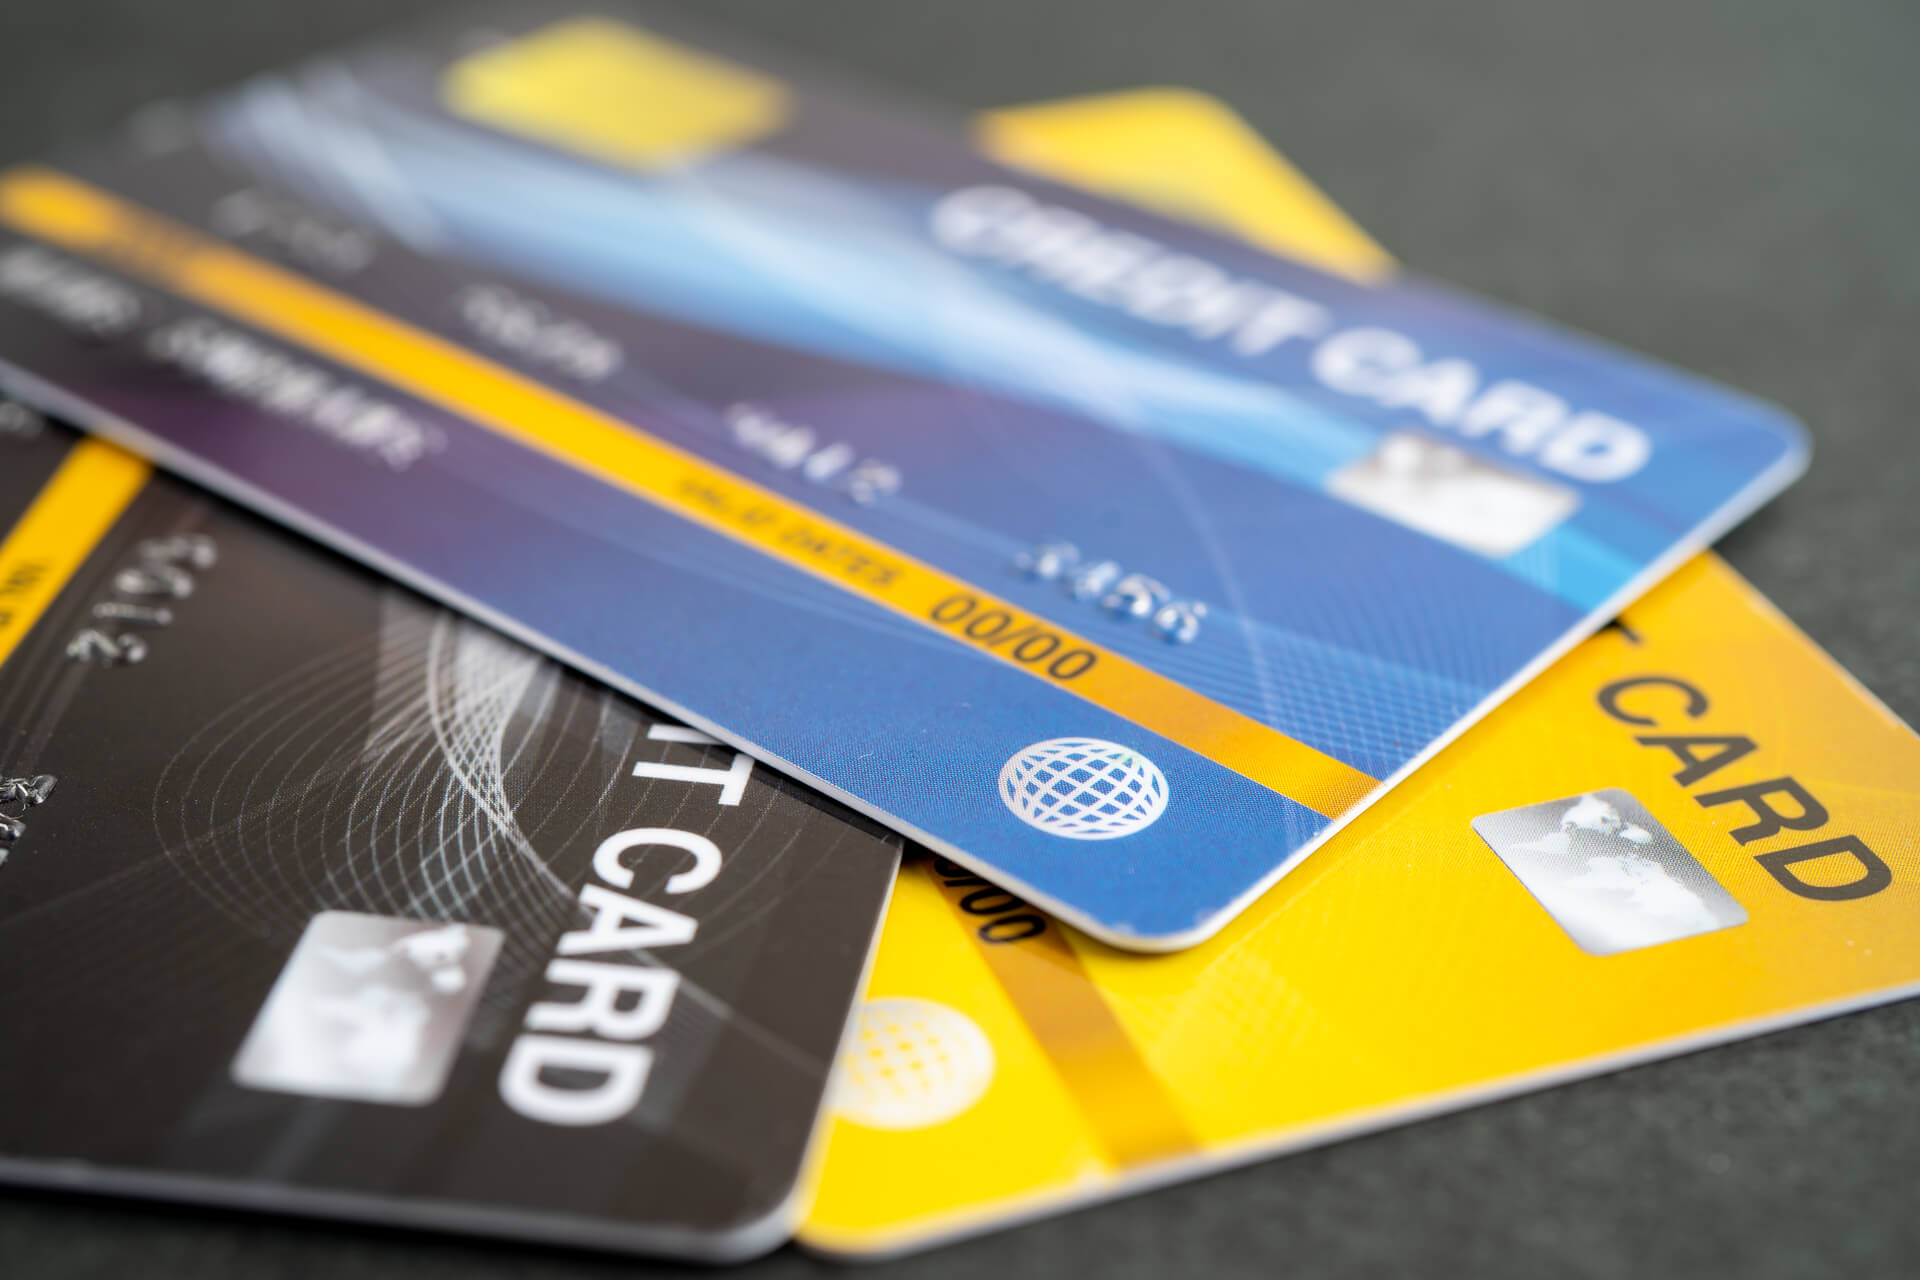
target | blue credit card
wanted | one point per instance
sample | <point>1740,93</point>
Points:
<point>1117,561</point>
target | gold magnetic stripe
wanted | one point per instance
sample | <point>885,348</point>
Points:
<point>1128,1107</point>
<point>81,218</point>
<point>92,487</point>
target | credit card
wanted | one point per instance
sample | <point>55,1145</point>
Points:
<point>1695,827</point>
<point>1187,155</point>
<point>1116,560</point>
<point>316,898</point>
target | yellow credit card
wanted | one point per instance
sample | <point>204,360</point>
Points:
<point>1695,827</point>
<point>1187,155</point>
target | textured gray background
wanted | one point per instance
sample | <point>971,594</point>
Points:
<point>1731,186</point>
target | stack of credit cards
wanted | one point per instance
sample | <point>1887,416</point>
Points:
<point>622,485</point>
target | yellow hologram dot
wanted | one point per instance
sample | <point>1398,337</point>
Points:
<point>912,1064</point>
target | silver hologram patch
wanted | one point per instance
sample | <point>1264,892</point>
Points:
<point>1449,494</point>
<point>1608,872</point>
<point>370,1008</point>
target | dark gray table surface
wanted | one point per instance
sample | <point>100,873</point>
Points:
<point>1731,186</point>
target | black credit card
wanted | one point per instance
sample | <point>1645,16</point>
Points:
<point>316,897</point>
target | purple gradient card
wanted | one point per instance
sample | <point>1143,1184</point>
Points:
<point>1117,561</point>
